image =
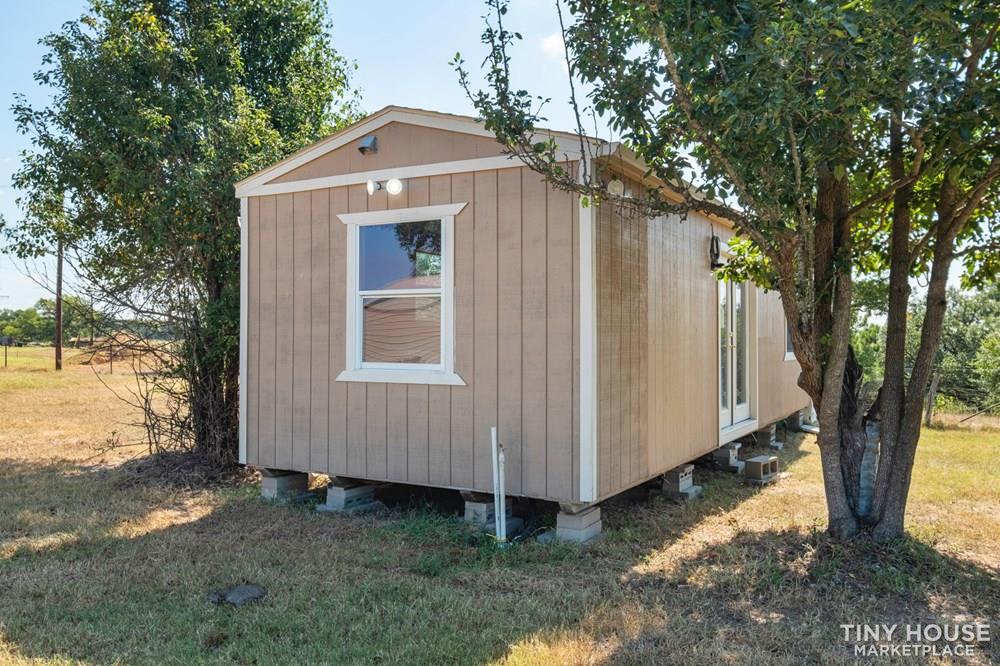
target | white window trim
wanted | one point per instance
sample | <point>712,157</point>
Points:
<point>402,373</point>
<point>789,354</point>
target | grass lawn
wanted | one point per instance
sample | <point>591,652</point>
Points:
<point>99,567</point>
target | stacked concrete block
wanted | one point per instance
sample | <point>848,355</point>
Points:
<point>793,423</point>
<point>282,485</point>
<point>761,470</point>
<point>579,526</point>
<point>346,496</point>
<point>481,511</point>
<point>768,437</point>
<point>678,484</point>
<point>726,458</point>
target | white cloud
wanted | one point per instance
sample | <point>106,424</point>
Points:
<point>552,45</point>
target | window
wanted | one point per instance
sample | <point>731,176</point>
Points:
<point>400,296</point>
<point>789,349</point>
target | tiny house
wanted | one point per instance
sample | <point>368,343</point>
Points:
<point>406,286</point>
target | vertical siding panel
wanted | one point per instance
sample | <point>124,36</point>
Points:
<point>301,333</point>
<point>357,392</point>
<point>485,326</point>
<point>559,368</point>
<point>658,297</point>
<point>603,349</point>
<point>319,403</point>
<point>637,322</point>
<point>253,331</point>
<point>267,426</point>
<point>285,315</point>
<point>377,412</point>
<point>462,397</point>
<point>439,397</point>
<point>418,194</point>
<point>417,433</point>
<point>397,461</point>
<point>534,338</point>
<point>337,268</point>
<point>615,369</point>
<point>509,250</point>
<point>642,350</point>
<point>397,454</point>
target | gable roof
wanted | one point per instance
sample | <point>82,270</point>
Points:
<point>613,154</point>
<point>567,143</point>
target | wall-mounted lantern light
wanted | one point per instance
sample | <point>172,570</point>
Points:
<point>616,187</point>
<point>715,252</point>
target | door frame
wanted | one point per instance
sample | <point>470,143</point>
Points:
<point>729,431</point>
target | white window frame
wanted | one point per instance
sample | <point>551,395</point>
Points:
<point>789,351</point>
<point>732,432</point>
<point>357,370</point>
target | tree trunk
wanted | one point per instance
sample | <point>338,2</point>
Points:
<point>831,335</point>
<point>931,397</point>
<point>59,318</point>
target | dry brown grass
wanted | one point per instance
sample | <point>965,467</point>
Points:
<point>96,568</point>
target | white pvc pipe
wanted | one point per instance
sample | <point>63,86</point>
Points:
<point>502,534</point>
<point>497,509</point>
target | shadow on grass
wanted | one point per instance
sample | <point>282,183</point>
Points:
<point>125,574</point>
<point>783,595</point>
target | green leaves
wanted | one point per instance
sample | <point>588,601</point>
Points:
<point>157,109</point>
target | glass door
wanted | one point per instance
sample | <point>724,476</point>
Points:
<point>734,353</point>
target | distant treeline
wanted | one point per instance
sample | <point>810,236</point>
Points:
<point>38,323</point>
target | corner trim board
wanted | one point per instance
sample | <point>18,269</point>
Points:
<point>244,222</point>
<point>588,351</point>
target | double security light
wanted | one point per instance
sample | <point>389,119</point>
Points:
<point>393,186</point>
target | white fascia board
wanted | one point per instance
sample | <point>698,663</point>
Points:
<point>254,185</point>
<point>361,177</point>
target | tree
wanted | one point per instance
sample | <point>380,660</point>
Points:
<point>956,371</point>
<point>839,139</point>
<point>158,108</point>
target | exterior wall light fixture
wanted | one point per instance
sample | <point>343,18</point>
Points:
<point>393,186</point>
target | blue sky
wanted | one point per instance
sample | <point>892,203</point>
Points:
<point>402,50</point>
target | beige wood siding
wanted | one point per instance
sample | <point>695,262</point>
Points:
<point>399,145</point>
<point>780,394</point>
<point>516,341</point>
<point>657,323</point>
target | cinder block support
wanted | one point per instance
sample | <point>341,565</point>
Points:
<point>578,525</point>
<point>281,485</point>
<point>768,437</point>
<point>348,496</point>
<point>480,513</point>
<point>480,510</point>
<point>726,458</point>
<point>678,484</point>
<point>793,423</point>
<point>762,470</point>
